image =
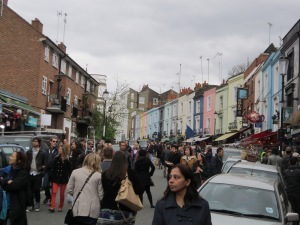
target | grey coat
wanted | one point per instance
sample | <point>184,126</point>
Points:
<point>88,202</point>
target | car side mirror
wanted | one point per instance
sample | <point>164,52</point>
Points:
<point>292,217</point>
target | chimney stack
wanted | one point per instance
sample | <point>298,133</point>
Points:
<point>62,47</point>
<point>5,2</point>
<point>37,25</point>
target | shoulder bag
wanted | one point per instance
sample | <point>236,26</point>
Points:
<point>126,196</point>
<point>69,219</point>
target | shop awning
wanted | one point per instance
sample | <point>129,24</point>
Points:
<point>225,136</point>
<point>201,139</point>
<point>18,104</point>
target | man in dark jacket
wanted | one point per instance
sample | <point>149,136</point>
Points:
<point>173,159</point>
<point>50,154</point>
<point>217,162</point>
<point>292,180</point>
<point>37,162</point>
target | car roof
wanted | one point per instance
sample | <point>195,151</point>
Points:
<point>255,166</point>
<point>244,180</point>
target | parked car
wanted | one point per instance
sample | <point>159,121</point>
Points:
<point>244,199</point>
<point>256,169</point>
<point>230,161</point>
<point>8,149</point>
<point>26,140</point>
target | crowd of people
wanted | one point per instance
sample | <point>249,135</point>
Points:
<point>92,174</point>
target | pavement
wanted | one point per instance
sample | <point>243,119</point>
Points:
<point>144,217</point>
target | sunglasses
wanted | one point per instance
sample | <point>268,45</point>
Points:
<point>54,141</point>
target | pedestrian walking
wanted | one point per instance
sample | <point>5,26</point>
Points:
<point>144,168</point>
<point>181,203</point>
<point>50,155</point>
<point>188,158</point>
<point>200,170</point>
<point>76,151</point>
<point>107,154</point>
<point>274,158</point>
<point>173,159</point>
<point>59,176</point>
<point>217,162</point>
<point>37,161</point>
<point>17,187</point>
<point>292,181</point>
<point>87,207</point>
<point>111,212</point>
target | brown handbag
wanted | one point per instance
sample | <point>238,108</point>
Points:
<point>126,196</point>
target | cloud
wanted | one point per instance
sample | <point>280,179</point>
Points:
<point>144,42</point>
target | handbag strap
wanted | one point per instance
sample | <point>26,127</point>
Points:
<point>87,179</point>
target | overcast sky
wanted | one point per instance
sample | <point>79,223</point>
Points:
<point>145,41</point>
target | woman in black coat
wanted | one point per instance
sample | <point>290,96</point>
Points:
<point>142,166</point>
<point>17,187</point>
<point>111,182</point>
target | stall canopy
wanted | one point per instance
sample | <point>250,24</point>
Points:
<point>201,139</point>
<point>259,136</point>
<point>225,136</point>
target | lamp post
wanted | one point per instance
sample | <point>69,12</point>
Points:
<point>283,67</point>
<point>215,115</point>
<point>105,98</point>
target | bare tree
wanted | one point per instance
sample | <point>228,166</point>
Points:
<point>237,70</point>
<point>115,112</point>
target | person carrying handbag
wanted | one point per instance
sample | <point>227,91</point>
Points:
<point>111,212</point>
<point>86,208</point>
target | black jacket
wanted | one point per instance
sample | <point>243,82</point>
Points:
<point>216,165</point>
<point>167,212</point>
<point>50,155</point>
<point>141,168</point>
<point>111,191</point>
<point>41,160</point>
<point>292,179</point>
<point>61,170</point>
<point>18,193</point>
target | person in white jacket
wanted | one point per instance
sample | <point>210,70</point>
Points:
<point>87,207</point>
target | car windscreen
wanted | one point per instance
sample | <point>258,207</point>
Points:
<point>254,172</point>
<point>22,141</point>
<point>241,200</point>
<point>227,166</point>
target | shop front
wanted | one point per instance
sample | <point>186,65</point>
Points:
<point>16,115</point>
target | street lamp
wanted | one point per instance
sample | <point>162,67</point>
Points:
<point>105,98</point>
<point>283,67</point>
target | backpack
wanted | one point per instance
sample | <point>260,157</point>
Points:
<point>3,203</point>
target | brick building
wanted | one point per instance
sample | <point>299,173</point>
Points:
<point>44,77</point>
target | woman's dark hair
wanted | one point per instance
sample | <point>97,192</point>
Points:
<point>204,163</point>
<point>118,168</point>
<point>21,160</point>
<point>191,191</point>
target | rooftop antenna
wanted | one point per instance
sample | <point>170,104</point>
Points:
<point>220,65</point>
<point>201,69</point>
<point>208,71</point>
<point>59,14</point>
<point>86,66</point>
<point>270,25</point>
<point>280,40</point>
<point>179,77</point>
<point>65,21</point>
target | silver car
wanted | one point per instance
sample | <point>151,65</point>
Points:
<point>256,169</point>
<point>244,199</point>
